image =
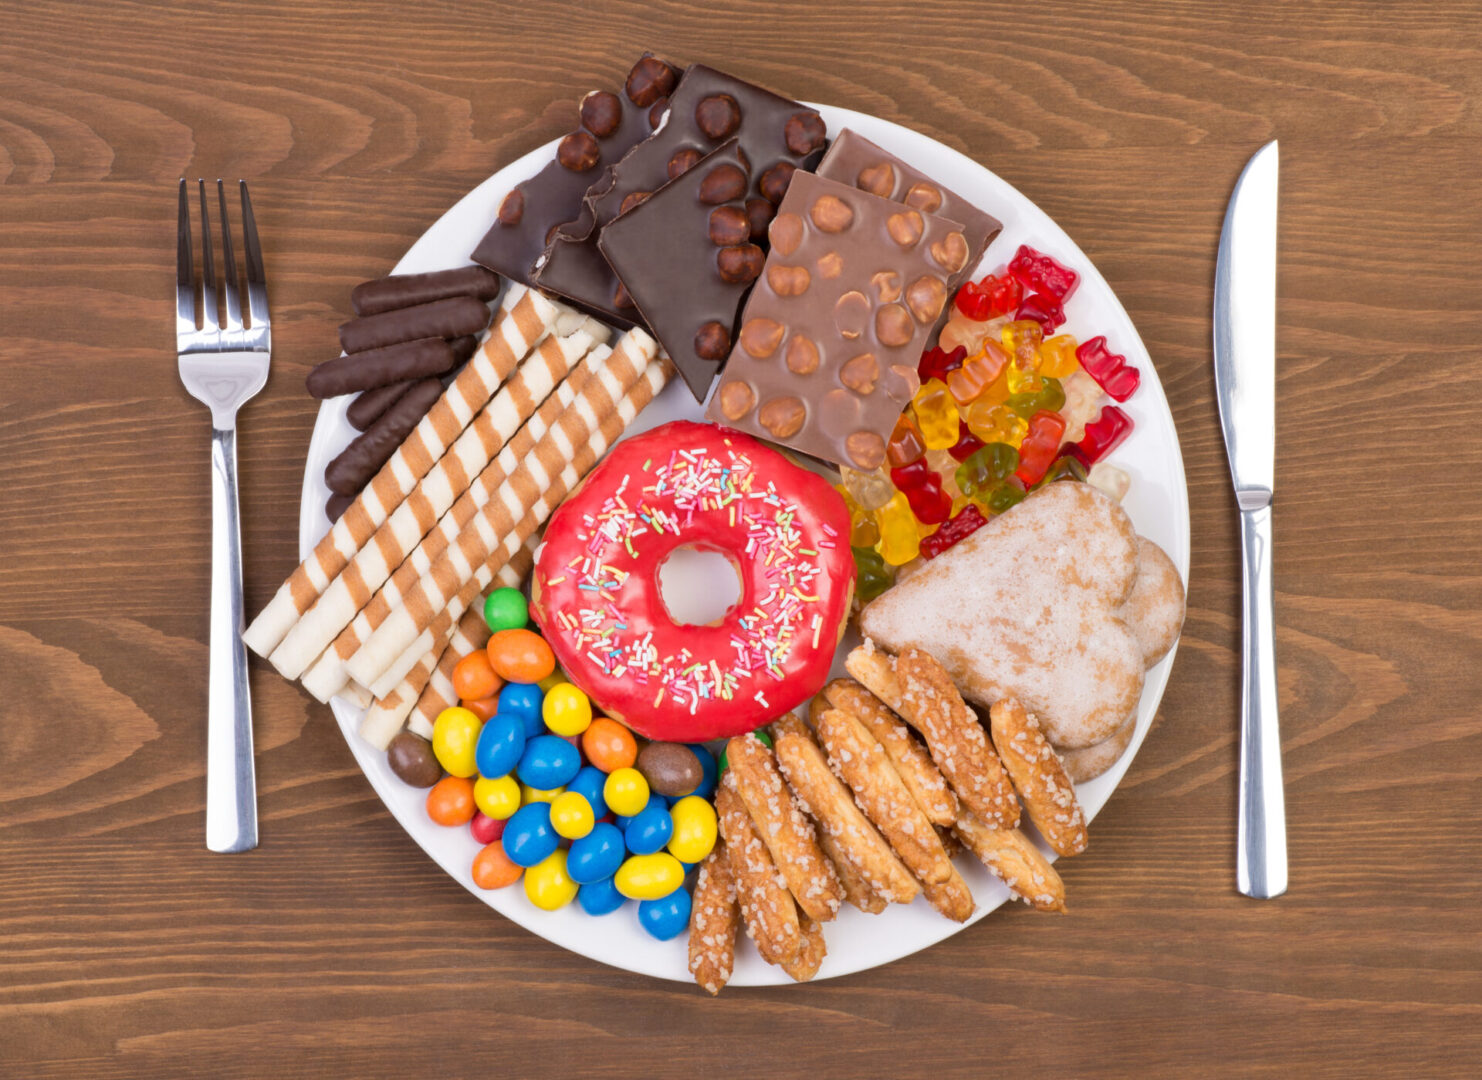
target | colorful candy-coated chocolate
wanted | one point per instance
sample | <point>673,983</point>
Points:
<point>484,828</point>
<point>869,490</point>
<point>1037,451</point>
<point>505,609</point>
<point>528,836</point>
<point>521,699</point>
<point>936,415</point>
<point>548,885</point>
<point>1043,274</point>
<point>474,677</point>
<point>649,830</point>
<point>906,443</point>
<point>497,796</point>
<point>986,468</point>
<point>1004,292</point>
<point>499,746</point>
<point>566,710</point>
<point>708,768</point>
<point>530,794</point>
<point>899,540</point>
<point>588,784</point>
<point>450,801</point>
<point>1043,309</point>
<point>609,745</point>
<point>996,423</point>
<point>572,815</point>
<point>521,656</point>
<point>1050,397</point>
<point>455,734</point>
<point>412,760</point>
<point>483,708</point>
<point>871,576</point>
<point>548,762</point>
<point>493,869</point>
<point>1057,356</point>
<point>694,829</point>
<point>938,363</point>
<point>1110,370</point>
<point>596,855</point>
<point>555,678</point>
<point>1103,435</point>
<point>668,917</point>
<point>598,897</point>
<point>625,791</point>
<point>649,877</point>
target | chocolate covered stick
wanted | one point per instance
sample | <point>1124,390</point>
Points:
<point>480,443</point>
<point>380,367</point>
<point>439,693</point>
<point>409,290</point>
<point>366,407</point>
<point>524,318</point>
<point>450,318</point>
<point>611,369</point>
<point>373,447</point>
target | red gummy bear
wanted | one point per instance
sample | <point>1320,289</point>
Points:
<point>1110,370</point>
<point>968,521</point>
<point>935,364</point>
<point>1004,293</point>
<point>1037,451</point>
<point>922,487</point>
<point>1043,309</point>
<point>967,443</point>
<point>1103,435</point>
<point>973,302</point>
<point>1043,274</point>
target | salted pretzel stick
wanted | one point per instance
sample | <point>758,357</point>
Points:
<point>787,833</point>
<point>767,907</point>
<point>951,897</point>
<point>857,890</point>
<point>921,691</point>
<point>524,318</point>
<point>828,802</point>
<point>497,519</point>
<point>714,920</point>
<point>860,761</point>
<point>910,758</point>
<point>1014,860</point>
<point>434,699</point>
<point>1035,768</point>
<point>811,950</point>
<point>463,469</point>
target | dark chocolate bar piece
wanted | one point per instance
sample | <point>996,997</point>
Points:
<point>829,343</point>
<point>853,159</point>
<point>611,125</point>
<point>409,290</point>
<point>686,257</point>
<point>454,317</point>
<point>708,107</point>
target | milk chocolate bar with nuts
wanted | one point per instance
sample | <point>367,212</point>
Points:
<point>826,355</point>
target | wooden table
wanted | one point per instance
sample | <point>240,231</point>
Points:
<point>338,948</point>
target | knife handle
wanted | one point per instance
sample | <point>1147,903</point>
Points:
<point>1261,862</point>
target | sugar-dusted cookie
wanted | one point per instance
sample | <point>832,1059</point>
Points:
<point>1026,607</point>
<point>1155,610</point>
<point>1089,762</point>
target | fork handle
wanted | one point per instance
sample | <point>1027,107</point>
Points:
<point>1261,860</point>
<point>231,783</point>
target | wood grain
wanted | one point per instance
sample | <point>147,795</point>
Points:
<point>337,948</point>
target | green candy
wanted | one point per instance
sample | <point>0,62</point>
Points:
<point>505,609</point>
<point>872,577</point>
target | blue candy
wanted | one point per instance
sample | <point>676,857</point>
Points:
<point>500,745</point>
<point>549,761</point>
<point>589,783</point>
<point>654,800</point>
<point>528,836</point>
<point>521,699</point>
<point>649,830</point>
<point>599,897</point>
<point>707,764</point>
<point>666,918</point>
<point>596,855</point>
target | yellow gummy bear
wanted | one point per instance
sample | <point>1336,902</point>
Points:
<point>899,540</point>
<point>996,423</point>
<point>1057,356</point>
<point>936,415</point>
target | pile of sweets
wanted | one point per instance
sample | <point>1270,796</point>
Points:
<point>1006,405</point>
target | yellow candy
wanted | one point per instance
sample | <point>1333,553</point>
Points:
<point>694,829</point>
<point>529,794</point>
<point>648,877</point>
<point>566,710</point>
<point>571,815</point>
<point>1024,380</point>
<point>899,541</point>
<point>863,531</point>
<point>1022,340</point>
<point>625,791</point>
<point>936,415</point>
<point>498,797</point>
<point>455,734</point>
<point>547,883</point>
<point>1057,356</point>
<point>996,423</point>
<point>545,684</point>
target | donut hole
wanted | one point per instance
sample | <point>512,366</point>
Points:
<point>698,586</point>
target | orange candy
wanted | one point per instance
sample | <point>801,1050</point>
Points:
<point>474,678</point>
<point>450,802</point>
<point>492,868</point>
<point>483,708</point>
<point>521,656</point>
<point>608,745</point>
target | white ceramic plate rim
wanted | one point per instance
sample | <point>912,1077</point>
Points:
<point>1157,503</point>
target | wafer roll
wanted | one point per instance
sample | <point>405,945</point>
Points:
<point>409,290</point>
<point>525,317</point>
<point>435,590</point>
<point>439,693</point>
<point>450,318</point>
<point>430,501</point>
<point>373,447</point>
<point>366,407</point>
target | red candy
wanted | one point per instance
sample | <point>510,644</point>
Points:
<point>1110,370</point>
<point>935,364</point>
<point>484,828</point>
<point>967,522</point>
<point>966,442</point>
<point>974,303</point>
<point>1043,274</point>
<point>1004,293</point>
<point>922,487</point>
<point>1043,309</point>
<point>1103,435</point>
<point>1037,451</point>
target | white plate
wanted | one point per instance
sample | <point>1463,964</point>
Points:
<point>1158,504</point>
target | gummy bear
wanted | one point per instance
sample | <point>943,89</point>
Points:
<point>974,302</point>
<point>1049,398</point>
<point>936,415</point>
<point>1006,495</point>
<point>977,373</point>
<point>957,529</point>
<point>1057,356</point>
<point>871,576</point>
<point>899,540</point>
<point>987,467</point>
<point>1067,467</point>
<point>1021,340</point>
<point>995,423</point>
<point>1004,293</point>
<point>1043,309</point>
<point>1083,401</point>
<point>1037,450</point>
<point>1110,370</point>
<point>923,490</point>
<point>965,334</point>
<point>937,363</point>
<point>1043,274</point>
<point>869,490</point>
<point>1104,434</point>
<point>967,443</point>
<point>1110,479</point>
<point>906,444</point>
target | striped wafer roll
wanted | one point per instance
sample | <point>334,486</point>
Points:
<point>524,318</point>
<point>439,693</point>
<point>497,520</point>
<point>458,471</point>
<point>384,719</point>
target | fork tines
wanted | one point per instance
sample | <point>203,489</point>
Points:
<point>214,335</point>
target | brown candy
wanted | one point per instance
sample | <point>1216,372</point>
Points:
<point>723,183</point>
<point>650,80</point>
<point>717,116</point>
<point>740,264</point>
<point>601,113</point>
<point>713,341</point>
<point>735,398</point>
<point>783,417</point>
<point>412,760</point>
<point>774,181</point>
<point>671,769</point>
<point>728,225</point>
<point>578,151</point>
<point>804,133</point>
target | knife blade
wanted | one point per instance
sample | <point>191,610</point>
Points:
<point>1245,386</point>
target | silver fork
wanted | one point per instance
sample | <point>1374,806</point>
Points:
<point>222,367</point>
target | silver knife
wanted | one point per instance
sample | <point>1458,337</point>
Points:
<point>1245,383</point>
